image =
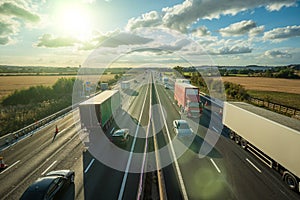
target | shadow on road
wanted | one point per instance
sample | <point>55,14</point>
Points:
<point>199,142</point>
<point>131,92</point>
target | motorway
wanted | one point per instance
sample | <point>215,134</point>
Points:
<point>227,172</point>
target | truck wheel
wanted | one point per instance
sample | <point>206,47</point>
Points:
<point>231,135</point>
<point>237,139</point>
<point>243,143</point>
<point>290,180</point>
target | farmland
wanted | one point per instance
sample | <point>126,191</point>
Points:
<point>267,84</point>
<point>280,91</point>
<point>8,84</point>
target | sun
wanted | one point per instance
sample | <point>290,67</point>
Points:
<point>76,22</point>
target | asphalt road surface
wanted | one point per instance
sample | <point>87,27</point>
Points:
<point>226,172</point>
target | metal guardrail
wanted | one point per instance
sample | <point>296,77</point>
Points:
<point>12,137</point>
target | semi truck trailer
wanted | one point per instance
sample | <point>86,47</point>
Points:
<point>125,85</point>
<point>100,110</point>
<point>187,98</point>
<point>271,137</point>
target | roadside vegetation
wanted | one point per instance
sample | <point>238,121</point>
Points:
<point>24,107</point>
<point>237,92</point>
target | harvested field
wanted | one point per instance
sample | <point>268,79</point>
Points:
<point>267,84</point>
<point>9,84</point>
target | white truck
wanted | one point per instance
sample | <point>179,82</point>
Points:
<point>125,85</point>
<point>273,138</point>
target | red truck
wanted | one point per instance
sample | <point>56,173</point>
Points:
<point>188,99</point>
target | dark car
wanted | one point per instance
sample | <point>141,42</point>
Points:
<point>49,186</point>
<point>120,136</point>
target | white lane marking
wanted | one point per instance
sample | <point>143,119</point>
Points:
<point>49,167</point>
<point>215,129</point>
<point>120,197</point>
<point>213,162</point>
<point>89,166</point>
<point>253,165</point>
<point>10,166</point>
<point>112,130</point>
<point>183,189</point>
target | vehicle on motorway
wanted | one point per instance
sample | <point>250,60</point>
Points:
<point>182,129</point>
<point>99,110</point>
<point>120,136</point>
<point>103,86</point>
<point>165,80</point>
<point>2,163</point>
<point>125,85</point>
<point>182,80</point>
<point>272,137</point>
<point>50,186</point>
<point>187,98</point>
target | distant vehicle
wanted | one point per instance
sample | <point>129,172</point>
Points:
<point>50,186</point>
<point>165,80</point>
<point>125,85</point>
<point>2,163</point>
<point>104,86</point>
<point>182,129</point>
<point>120,136</point>
<point>188,99</point>
<point>182,80</point>
<point>273,138</point>
<point>99,110</point>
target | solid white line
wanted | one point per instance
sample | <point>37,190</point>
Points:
<point>10,166</point>
<point>120,197</point>
<point>112,130</point>
<point>253,165</point>
<point>89,166</point>
<point>49,167</point>
<point>213,162</point>
<point>182,186</point>
<point>215,129</point>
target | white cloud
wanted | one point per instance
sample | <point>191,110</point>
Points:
<point>277,54</point>
<point>256,31</point>
<point>146,20</point>
<point>232,50</point>
<point>180,17</point>
<point>13,14</point>
<point>123,38</point>
<point>201,31</point>
<point>47,40</point>
<point>279,34</point>
<point>241,28</point>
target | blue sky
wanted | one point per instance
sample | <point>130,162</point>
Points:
<point>138,32</point>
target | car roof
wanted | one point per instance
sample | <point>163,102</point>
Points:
<point>181,121</point>
<point>38,189</point>
<point>119,132</point>
<point>58,173</point>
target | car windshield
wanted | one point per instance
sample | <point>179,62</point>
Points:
<point>119,133</point>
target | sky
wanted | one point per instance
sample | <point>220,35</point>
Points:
<point>129,33</point>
